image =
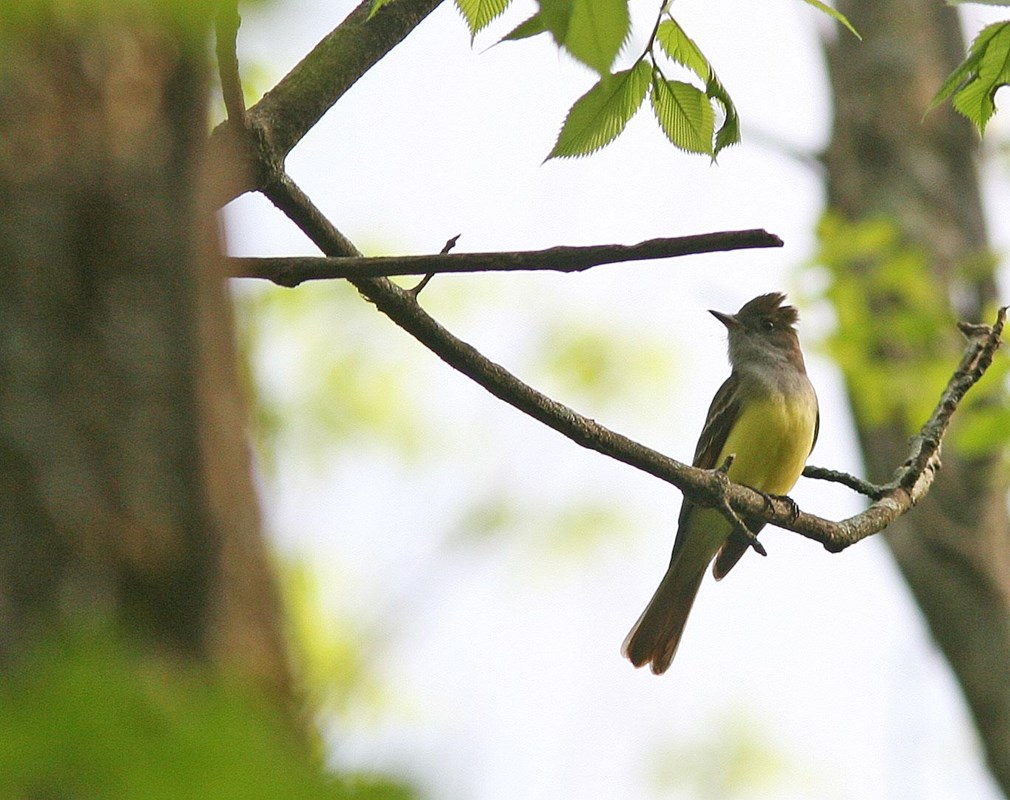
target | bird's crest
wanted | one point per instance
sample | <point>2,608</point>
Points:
<point>770,305</point>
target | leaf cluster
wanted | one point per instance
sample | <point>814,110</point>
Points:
<point>593,32</point>
<point>697,115</point>
<point>685,110</point>
<point>323,386</point>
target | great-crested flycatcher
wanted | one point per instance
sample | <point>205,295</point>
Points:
<point>765,415</point>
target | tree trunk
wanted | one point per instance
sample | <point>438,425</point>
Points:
<point>887,161</point>
<point>125,490</point>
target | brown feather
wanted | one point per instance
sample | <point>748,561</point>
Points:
<point>762,322</point>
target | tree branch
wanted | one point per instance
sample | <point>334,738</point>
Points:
<point>912,480</point>
<point>288,111</point>
<point>402,307</point>
<point>705,487</point>
<point>871,490</point>
<point>293,271</point>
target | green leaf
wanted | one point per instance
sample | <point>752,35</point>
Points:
<point>591,30</point>
<point>973,84</point>
<point>684,113</point>
<point>599,116</point>
<point>834,14</point>
<point>682,49</point>
<point>479,13</point>
<point>729,131</point>
<point>961,73</point>
<point>524,30</point>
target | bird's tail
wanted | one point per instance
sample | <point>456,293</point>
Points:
<point>655,637</point>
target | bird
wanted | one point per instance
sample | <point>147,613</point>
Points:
<point>766,416</point>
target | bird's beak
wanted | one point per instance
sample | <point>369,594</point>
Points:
<point>729,320</point>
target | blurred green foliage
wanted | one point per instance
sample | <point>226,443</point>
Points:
<point>86,716</point>
<point>325,383</point>
<point>564,530</point>
<point>733,759</point>
<point>328,650</point>
<point>602,364</point>
<point>896,339</point>
<point>190,19</point>
<point>316,378</point>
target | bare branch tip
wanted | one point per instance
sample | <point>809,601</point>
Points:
<point>974,330</point>
<point>871,490</point>
<point>451,243</point>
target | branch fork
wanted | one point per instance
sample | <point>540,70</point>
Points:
<point>268,131</point>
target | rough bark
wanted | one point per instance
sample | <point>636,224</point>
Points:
<point>125,490</point>
<point>886,159</point>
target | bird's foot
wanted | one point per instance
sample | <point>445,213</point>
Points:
<point>794,510</point>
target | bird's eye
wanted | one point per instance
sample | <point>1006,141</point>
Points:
<point>767,325</point>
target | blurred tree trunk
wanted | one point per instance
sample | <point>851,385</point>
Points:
<point>125,489</point>
<point>886,160</point>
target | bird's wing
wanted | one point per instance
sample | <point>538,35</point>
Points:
<point>719,422</point>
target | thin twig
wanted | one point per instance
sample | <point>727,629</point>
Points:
<point>983,341</point>
<point>913,479</point>
<point>228,22</point>
<point>273,138</point>
<point>705,487</point>
<point>871,490</point>
<point>293,271</point>
<point>451,243</point>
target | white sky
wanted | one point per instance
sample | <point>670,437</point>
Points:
<point>502,656</point>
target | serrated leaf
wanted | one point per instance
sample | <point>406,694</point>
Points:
<point>599,116</point>
<point>480,13</point>
<point>524,30</point>
<point>590,30</point>
<point>556,16</point>
<point>729,131</point>
<point>682,49</point>
<point>834,14</point>
<point>973,84</point>
<point>685,114</point>
<point>957,77</point>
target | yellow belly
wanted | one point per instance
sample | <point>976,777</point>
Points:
<point>771,441</point>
